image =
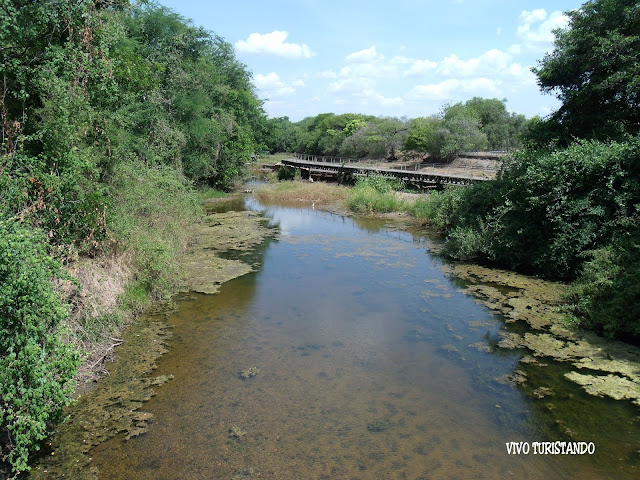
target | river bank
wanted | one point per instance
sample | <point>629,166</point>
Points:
<point>112,403</point>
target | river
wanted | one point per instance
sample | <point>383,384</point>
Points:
<point>362,362</point>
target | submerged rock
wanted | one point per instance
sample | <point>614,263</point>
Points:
<point>237,432</point>
<point>379,425</point>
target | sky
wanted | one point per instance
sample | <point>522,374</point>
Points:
<point>398,58</point>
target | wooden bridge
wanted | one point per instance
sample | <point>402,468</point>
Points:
<point>309,166</point>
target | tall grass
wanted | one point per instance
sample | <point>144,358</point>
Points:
<point>153,208</point>
<point>374,194</point>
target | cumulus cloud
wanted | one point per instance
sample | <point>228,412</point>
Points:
<point>273,44</point>
<point>272,85</point>
<point>372,97</point>
<point>352,84</point>
<point>367,55</point>
<point>420,67</point>
<point>452,87</point>
<point>535,30</point>
<point>493,61</point>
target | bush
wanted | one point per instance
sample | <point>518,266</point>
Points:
<point>606,295</point>
<point>548,208</point>
<point>375,194</point>
<point>287,173</point>
<point>464,243</point>
<point>36,367</point>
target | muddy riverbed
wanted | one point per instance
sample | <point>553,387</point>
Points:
<point>328,347</point>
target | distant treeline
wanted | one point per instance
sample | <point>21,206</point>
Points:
<point>478,124</point>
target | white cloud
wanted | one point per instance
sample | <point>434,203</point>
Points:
<point>272,85</point>
<point>273,44</point>
<point>367,55</point>
<point>298,83</point>
<point>535,30</point>
<point>372,97</point>
<point>420,67</point>
<point>492,62</point>
<point>328,74</point>
<point>453,87</point>
<point>498,31</point>
<point>534,16</point>
<point>401,60</point>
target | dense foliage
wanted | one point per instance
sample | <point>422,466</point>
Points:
<point>105,107</point>
<point>594,69</point>
<point>548,208</point>
<point>36,367</point>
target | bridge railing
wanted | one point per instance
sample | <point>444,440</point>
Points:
<point>416,166</point>
<point>325,158</point>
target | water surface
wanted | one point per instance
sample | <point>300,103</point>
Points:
<point>365,372</point>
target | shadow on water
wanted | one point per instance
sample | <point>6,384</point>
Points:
<point>365,361</point>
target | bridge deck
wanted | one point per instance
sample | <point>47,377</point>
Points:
<point>427,178</point>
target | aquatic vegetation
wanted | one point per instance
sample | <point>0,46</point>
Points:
<point>204,269</point>
<point>537,303</point>
<point>379,425</point>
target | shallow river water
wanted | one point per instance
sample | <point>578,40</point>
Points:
<point>361,346</point>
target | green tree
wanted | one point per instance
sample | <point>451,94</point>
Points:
<point>460,131</point>
<point>422,135</point>
<point>594,71</point>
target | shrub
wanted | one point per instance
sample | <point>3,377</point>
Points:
<point>606,295</point>
<point>464,243</point>
<point>374,194</point>
<point>548,208</point>
<point>36,367</point>
<point>287,173</point>
<point>153,207</point>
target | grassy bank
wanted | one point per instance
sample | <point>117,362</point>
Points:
<point>150,215</point>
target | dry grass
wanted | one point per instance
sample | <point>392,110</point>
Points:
<point>303,192</point>
<point>95,320</point>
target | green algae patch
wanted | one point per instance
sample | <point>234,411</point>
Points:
<point>536,302</point>
<point>113,408</point>
<point>205,270</point>
<point>517,297</point>
<point>613,386</point>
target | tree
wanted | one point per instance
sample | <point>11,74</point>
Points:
<point>494,120</point>
<point>594,71</point>
<point>422,135</point>
<point>460,131</point>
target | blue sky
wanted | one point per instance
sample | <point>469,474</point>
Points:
<point>396,58</point>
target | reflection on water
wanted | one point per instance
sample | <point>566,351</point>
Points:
<point>365,371</point>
